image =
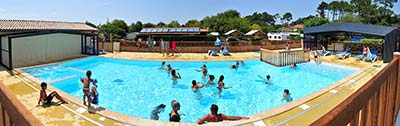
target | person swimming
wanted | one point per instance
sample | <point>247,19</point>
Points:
<point>175,76</point>
<point>196,86</point>
<point>236,66</point>
<point>162,65</point>
<point>293,65</point>
<point>267,79</point>
<point>221,85</point>
<point>286,96</point>
<point>211,80</point>
<point>157,110</point>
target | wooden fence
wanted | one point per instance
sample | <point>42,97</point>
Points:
<point>375,104</point>
<point>280,44</point>
<point>283,57</point>
<point>13,112</point>
<point>185,46</point>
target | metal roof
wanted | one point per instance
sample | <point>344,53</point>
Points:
<point>18,25</point>
<point>170,31</point>
<point>350,27</point>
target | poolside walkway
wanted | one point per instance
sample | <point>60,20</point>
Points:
<point>183,56</point>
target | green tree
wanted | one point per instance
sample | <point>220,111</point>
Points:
<point>255,27</point>
<point>135,27</point>
<point>315,21</point>
<point>225,21</point>
<point>161,24</point>
<point>387,4</point>
<point>351,18</point>
<point>322,8</point>
<point>115,29</point>
<point>301,20</point>
<point>261,18</point>
<point>149,25</point>
<point>287,17</point>
<point>192,23</point>
<point>174,24</point>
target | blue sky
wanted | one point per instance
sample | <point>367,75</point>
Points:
<point>98,11</point>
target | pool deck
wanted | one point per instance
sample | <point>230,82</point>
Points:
<point>298,112</point>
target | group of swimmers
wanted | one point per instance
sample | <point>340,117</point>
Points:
<point>175,116</point>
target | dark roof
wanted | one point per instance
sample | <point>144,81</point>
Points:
<point>17,25</point>
<point>351,27</point>
<point>170,31</point>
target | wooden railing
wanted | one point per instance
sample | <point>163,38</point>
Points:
<point>284,58</point>
<point>186,46</point>
<point>374,104</point>
<point>13,112</point>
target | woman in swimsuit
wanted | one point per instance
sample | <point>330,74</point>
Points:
<point>46,99</point>
<point>174,116</point>
<point>215,117</point>
<point>315,55</point>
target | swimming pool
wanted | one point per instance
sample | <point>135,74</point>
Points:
<point>135,87</point>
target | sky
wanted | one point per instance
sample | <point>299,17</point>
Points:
<point>154,11</point>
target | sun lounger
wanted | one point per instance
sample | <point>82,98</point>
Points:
<point>325,53</point>
<point>212,53</point>
<point>372,57</point>
<point>224,51</point>
<point>344,54</point>
<point>89,50</point>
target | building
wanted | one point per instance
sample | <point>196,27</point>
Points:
<point>234,33</point>
<point>295,28</point>
<point>255,33</point>
<point>29,42</point>
<point>281,35</point>
<point>132,35</point>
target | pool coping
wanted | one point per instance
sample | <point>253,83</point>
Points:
<point>141,121</point>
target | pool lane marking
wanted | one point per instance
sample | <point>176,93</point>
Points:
<point>62,79</point>
<point>84,117</point>
<point>259,123</point>
<point>74,69</point>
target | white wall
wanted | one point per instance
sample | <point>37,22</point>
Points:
<point>44,48</point>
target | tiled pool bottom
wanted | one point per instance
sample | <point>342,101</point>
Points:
<point>135,87</point>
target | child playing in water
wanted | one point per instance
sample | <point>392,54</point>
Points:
<point>286,96</point>
<point>267,79</point>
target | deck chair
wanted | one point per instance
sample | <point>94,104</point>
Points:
<point>89,50</point>
<point>327,52</point>
<point>373,56</point>
<point>212,53</point>
<point>224,51</point>
<point>344,54</point>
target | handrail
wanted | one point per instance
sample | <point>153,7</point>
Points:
<point>375,103</point>
<point>17,113</point>
<point>284,57</point>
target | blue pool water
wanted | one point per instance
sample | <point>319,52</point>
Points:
<point>135,87</point>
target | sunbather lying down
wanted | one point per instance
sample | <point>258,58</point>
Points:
<point>212,53</point>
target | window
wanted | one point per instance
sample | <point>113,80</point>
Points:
<point>270,36</point>
<point>274,37</point>
<point>279,37</point>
